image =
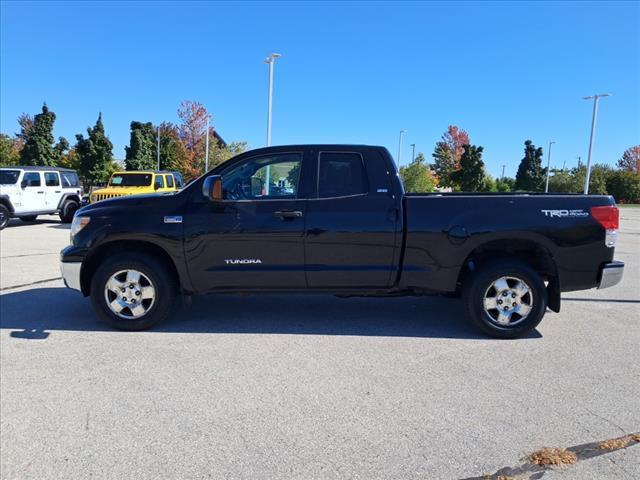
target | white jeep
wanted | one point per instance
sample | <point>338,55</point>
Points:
<point>26,192</point>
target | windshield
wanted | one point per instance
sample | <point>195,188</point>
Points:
<point>9,177</point>
<point>130,180</point>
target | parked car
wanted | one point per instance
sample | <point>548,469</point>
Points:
<point>134,183</point>
<point>26,192</point>
<point>340,223</point>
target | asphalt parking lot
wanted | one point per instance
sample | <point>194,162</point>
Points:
<point>306,387</point>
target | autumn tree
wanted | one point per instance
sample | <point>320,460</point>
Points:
<point>141,153</point>
<point>447,154</point>
<point>531,175</point>
<point>94,153</point>
<point>470,176</point>
<point>630,160</point>
<point>173,153</point>
<point>38,140</point>
<point>191,130</point>
<point>417,176</point>
<point>9,153</point>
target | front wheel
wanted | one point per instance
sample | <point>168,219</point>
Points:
<point>4,216</point>
<point>133,292</point>
<point>505,299</point>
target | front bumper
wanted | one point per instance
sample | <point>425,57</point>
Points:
<point>71,274</point>
<point>611,274</point>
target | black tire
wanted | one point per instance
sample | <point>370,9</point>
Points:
<point>68,211</point>
<point>481,283</point>
<point>4,216</point>
<point>160,278</point>
<point>29,218</point>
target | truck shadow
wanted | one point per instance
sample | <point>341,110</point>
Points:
<point>34,313</point>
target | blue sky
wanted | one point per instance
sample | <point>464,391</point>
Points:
<point>350,72</point>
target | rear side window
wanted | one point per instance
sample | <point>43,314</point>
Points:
<point>51,179</point>
<point>32,179</point>
<point>170,181</point>
<point>69,179</point>
<point>341,174</point>
<point>158,181</point>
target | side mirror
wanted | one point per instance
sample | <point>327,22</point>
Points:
<point>23,184</point>
<point>212,188</point>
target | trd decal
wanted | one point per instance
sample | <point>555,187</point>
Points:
<point>565,213</point>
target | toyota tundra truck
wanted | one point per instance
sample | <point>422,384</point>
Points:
<point>334,219</point>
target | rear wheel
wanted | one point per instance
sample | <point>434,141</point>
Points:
<point>29,218</point>
<point>505,299</point>
<point>4,216</point>
<point>133,292</point>
<point>68,211</point>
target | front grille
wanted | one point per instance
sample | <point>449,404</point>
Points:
<point>96,197</point>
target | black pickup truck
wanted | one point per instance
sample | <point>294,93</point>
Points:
<point>335,219</point>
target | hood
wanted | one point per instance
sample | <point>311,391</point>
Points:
<point>127,201</point>
<point>119,190</point>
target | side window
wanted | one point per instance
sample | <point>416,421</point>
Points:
<point>69,179</point>
<point>263,178</point>
<point>170,181</point>
<point>32,179</point>
<point>158,183</point>
<point>51,179</point>
<point>341,174</point>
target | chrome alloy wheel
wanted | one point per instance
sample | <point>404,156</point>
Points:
<point>129,294</point>
<point>508,301</point>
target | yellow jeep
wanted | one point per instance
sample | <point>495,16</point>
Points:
<point>134,183</point>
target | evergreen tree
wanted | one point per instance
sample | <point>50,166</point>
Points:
<point>417,176</point>
<point>94,153</point>
<point>141,154</point>
<point>470,177</point>
<point>531,176</point>
<point>38,138</point>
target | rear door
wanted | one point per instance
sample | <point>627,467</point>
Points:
<point>352,223</point>
<point>52,190</point>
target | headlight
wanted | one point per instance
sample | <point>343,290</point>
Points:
<point>78,224</point>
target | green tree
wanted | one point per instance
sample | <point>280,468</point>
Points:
<point>531,176</point>
<point>141,154</point>
<point>417,176</point>
<point>173,154</point>
<point>221,153</point>
<point>624,186</point>
<point>9,153</point>
<point>94,153</point>
<point>471,176</point>
<point>505,184</point>
<point>38,139</point>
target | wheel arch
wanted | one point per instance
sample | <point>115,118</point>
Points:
<point>69,196</point>
<point>533,253</point>
<point>105,250</point>
<point>6,201</point>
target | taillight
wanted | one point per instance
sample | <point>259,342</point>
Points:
<point>609,218</point>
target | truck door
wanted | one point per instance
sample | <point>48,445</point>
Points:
<point>254,238</point>
<point>52,190</point>
<point>352,223</point>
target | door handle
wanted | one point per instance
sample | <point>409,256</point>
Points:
<point>58,191</point>
<point>283,214</point>
<point>41,191</point>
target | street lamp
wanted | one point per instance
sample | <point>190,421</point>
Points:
<point>413,152</point>
<point>270,60</point>
<point>402,132</point>
<point>546,188</point>
<point>593,132</point>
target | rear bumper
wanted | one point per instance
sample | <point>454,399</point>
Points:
<point>71,274</point>
<point>611,274</point>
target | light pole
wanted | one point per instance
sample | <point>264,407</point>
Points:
<point>579,161</point>
<point>158,147</point>
<point>402,132</point>
<point>413,152</point>
<point>270,60</point>
<point>502,177</point>
<point>546,188</point>
<point>593,132</point>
